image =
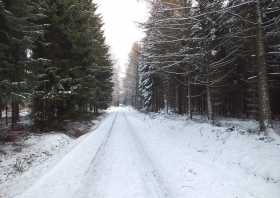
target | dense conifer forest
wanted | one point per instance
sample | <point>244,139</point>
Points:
<point>180,100</point>
<point>53,59</point>
<point>215,58</point>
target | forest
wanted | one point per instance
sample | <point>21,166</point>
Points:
<point>139,98</point>
<point>215,58</point>
<point>53,60</point>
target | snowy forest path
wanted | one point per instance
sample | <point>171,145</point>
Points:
<point>136,155</point>
<point>121,168</point>
<point>109,162</point>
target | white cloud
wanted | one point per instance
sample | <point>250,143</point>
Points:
<point>121,29</point>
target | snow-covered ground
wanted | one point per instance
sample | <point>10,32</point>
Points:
<point>142,156</point>
<point>23,161</point>
<point>199,160</point>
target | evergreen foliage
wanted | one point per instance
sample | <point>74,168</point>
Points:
<point>53,55</point>
<point>215,58</point>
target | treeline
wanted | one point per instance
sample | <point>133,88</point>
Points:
<point>53,57</point>
<point>212,57</point>
<point>131,94</point>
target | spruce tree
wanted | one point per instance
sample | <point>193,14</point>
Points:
<point>19,33</point>
<point>75,67</point>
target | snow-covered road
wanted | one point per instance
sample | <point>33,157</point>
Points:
<point>131,155</point>
<point>111,162</point>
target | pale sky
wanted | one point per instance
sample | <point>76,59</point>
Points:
<point>121,29</point>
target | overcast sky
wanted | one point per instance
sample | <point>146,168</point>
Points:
<point>121,29</point>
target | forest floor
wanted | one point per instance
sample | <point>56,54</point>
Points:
<point>138,155</point>
<point>26,155</point>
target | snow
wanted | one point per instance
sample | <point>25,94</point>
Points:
<point>24,161</point>
<point>64,179</point>
<point>21,161</point>
<point>152,155</point>
<point>199,160</point>
<point>241,125</point>
<point>23,113</point>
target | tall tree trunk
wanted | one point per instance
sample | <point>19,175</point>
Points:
<point>95,109</point>
<point>263,87</point>
<point>1,118</point>
<point>209,103</point>
<point>189,98</point>
<point>1,115</point>
<point>209,97</point>
<point>7,120</point>
<point>15,113</point>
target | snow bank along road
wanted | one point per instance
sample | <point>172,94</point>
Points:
<point>132,155</point>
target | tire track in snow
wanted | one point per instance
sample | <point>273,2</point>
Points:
<point>155,173</point>
<point>85,183</point>
<point>66,177</point>
<point>101,148</point>
<point>150,180</point>
<point>214,179</point>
